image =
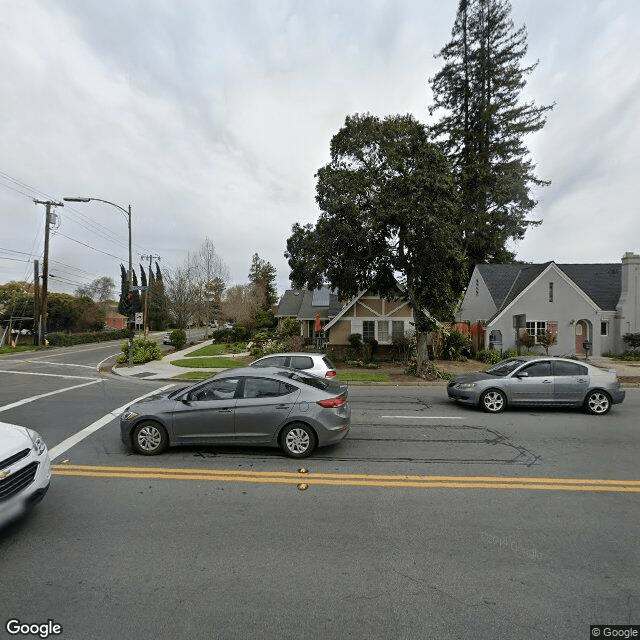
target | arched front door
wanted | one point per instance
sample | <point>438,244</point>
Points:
<point>582,334</point>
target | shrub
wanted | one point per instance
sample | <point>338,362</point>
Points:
<point>177,339</point>
<point>454,343</point>
<point>262,336</point>
<point>289,328</point>
<point>143,351</point>
<point>632,340</point>
<point>510,353</point>
<point>547,339</point>
<point>239,332</point>
<point>489,356</point>
<point>527,340</point>
<point>256,352</point>
<point>59,339</point>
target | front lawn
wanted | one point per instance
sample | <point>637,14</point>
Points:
<point>19,348</point>
<point>209,363</point>
<point>220,349</point>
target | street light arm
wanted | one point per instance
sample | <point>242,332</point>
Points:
<point>113,204</point>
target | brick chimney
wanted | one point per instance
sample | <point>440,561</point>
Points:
<point>628,309</point>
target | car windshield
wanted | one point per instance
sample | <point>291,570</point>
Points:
<point>505,367</point>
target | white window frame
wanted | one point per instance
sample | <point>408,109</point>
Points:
<point>373,322</point>
<point>536,328</point>
<point>382,328</point>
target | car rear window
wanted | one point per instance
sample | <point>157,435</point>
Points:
<point>305,378</point>
<point>301,362</point>
<point>561,368</point>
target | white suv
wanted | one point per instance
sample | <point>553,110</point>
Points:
<point>316,363</point>
<point>25,470</point>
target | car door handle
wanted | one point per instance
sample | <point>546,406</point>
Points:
<point>225,410</point>
<point>547,381</point>
<point>282,406</point>
<point>581,380</point>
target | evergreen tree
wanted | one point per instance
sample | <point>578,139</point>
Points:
<point>262,274</point>
<point>158,316</point>
<point>124,289</point>
<point>484,126</point>
<point>136,305</point>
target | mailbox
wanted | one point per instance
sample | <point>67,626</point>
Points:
<point>587,345</point>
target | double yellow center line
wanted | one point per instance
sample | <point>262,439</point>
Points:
<point>352,479</point>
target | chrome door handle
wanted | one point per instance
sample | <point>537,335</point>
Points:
<point>282,406</point>
<point>546,381</point>
<point>224,410</point>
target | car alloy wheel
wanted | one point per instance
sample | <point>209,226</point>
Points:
<point>493,401</point>
<point>298,440</point>
<point>149,438</point>
<point>598,403</point>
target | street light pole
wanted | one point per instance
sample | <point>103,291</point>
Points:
<point>127,213</point>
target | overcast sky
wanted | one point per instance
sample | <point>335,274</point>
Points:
<point>211,117</point>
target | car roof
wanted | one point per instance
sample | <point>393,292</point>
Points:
<point>293,353</point>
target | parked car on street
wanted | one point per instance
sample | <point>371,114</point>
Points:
<point>316,363</point>
<point>539,381</point>
<point>166,338</point>
<point>25,470</point>
<point>267,406</point>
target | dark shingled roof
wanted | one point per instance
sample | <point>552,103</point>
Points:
<point>601,282</point>
<point>300,304</point>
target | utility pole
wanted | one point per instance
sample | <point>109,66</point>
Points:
<point>147,294</point>
<point>42,329</point>
<point>36,301</point>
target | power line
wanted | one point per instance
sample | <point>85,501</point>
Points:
<point>90,247</point>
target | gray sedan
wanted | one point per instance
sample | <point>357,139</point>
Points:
<point>539,381</point>
<point>269,406</point>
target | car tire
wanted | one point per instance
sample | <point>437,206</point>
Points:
<point>493,401</point>
<point>149,438</point>
<point>298,440</point>
<point>597,403</point>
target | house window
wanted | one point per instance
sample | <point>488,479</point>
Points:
<point>383,331</point>
<point>368,330</point>
<point>477,287</point>
<point>604,328</point>
<point>536,329</point>
<point>397,329</point>
<point>551,292</point>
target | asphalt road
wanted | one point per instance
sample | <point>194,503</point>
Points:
<point>429,521</point>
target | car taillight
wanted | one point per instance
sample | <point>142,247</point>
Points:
<point>332,403</point>
<point>330,374</point>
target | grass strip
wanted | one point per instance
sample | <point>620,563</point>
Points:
<point>193,375</point>
<point>209,363</point>
<point>363,376</point>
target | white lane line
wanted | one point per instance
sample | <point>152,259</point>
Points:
<point>61,364</point>
<point>19,403</point>
<point>426,417</point>
<point>65,445</point>
<point>48,375</point>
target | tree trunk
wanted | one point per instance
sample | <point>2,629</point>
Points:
<point>422,353</point>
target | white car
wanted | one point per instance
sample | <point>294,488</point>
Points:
<point>316,363</point>
<point>25,470</point>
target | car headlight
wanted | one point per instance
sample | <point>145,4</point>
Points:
<point>465,385</point>
<point>129,415</point>
<point>38,443</point>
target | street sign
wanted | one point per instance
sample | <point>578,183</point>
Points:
<point>138,288</point>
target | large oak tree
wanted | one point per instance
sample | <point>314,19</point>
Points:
<point>388,216</point>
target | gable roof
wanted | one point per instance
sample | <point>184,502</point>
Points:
<point>305,305</point>
<point>600,282</point>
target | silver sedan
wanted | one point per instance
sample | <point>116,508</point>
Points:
<point>539,381</point>
<point>269,406</point>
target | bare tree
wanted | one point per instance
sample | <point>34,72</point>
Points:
<point>240,303</point>
<point>194,289</point>
<point>99,290</point>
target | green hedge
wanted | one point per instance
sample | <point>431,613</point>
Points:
<point>69,339</point>
<point>143,351</point>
